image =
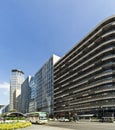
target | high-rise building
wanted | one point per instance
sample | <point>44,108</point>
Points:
<point>17,78</point>
<point>5,109</point>
<point>25,95</point>
<point>32,102</point>
<point>44,86</point>
<point>84,78</point>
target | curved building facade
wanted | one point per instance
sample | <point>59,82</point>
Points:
<point>16,80</point>
<point>84,79</point>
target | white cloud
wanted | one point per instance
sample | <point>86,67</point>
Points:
<point>5,85</point>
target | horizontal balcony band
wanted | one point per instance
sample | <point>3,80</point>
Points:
<point>92,51</point>
<point>93,100</point>
<point>78,47</point>
<point>71,53</point>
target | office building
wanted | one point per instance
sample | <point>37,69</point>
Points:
<point>44,86</point>
<point>5,109</point>
<point>18,103</point>
<point>32,103</point>
<point>84,78</point>
<point>17,78</point>
<point>25,95</point>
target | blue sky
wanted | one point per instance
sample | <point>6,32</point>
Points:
<point>32,30</point>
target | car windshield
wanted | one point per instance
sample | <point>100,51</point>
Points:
<point>42,118</point>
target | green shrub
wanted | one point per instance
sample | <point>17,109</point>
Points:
<point>15,118</point>
<point>10,126</point>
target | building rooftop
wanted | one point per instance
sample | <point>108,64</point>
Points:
<point>16,70</point>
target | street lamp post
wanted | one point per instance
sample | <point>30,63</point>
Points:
<point>102,109</point>
<point>101,113</point>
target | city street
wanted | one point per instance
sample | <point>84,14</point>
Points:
<point>73,126</point>
<point>84,125</point>
<point>43,127</point>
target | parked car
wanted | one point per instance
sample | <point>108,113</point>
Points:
<point>63,119</point>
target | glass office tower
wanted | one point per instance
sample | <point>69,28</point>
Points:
<point>17,78</point>
<point>25,95</point>
<point>44,86</point>
<point>32,103</point>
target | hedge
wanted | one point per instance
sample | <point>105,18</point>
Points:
<point>14,125</point>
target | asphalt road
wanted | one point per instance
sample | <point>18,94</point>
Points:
<point>83,125</point>
<point>43,127</point>
<point>73,126</point>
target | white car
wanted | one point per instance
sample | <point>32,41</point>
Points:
<point>63,119</point>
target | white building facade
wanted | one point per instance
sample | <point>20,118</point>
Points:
<point>17,78</point>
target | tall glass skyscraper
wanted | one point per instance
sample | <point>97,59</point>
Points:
<point>25,95</point>
<point>44,86</point>
<point>17,78</point>
<point>32,103</point>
